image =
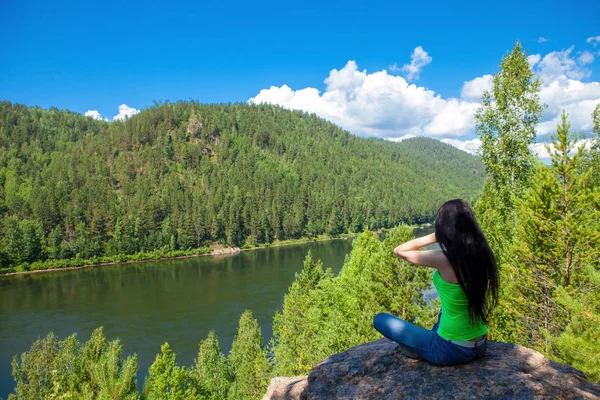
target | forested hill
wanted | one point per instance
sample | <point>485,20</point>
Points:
<point>179,175</point>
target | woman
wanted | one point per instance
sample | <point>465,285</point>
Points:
<point>466,279</point>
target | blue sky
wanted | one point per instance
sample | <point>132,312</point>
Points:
<point>98,55</point>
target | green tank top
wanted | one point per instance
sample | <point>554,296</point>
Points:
<point>455,324</point>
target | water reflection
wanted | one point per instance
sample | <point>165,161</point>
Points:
<point>146,304</point>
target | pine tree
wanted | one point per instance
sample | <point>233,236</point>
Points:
<point>248,360</point>
<point>579,344</point>
<point>557,237</point>
<point>115,377</point>
<point>211,369</point>
<point>167,380</point>
<point>296,326</point>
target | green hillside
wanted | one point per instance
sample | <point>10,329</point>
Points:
<point>181,175</point>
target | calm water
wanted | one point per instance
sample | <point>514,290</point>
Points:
<point>147,304</point>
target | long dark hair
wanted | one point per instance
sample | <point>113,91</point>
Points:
<point>462,241</point>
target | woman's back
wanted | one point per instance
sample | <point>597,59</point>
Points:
<point>454,320</point>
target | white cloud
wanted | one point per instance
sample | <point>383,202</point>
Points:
<point>401,138</point>
<point>377,104</point>
<point>533,59</point>
<point>541,151</point>
<point>473,89</point>
<point>562,88</point>
<point>470,146</point>
<point>593,40</point>
<point>542,39</point>
<point>95,115</point>
<point>560,63</point>
<point>125,112</point>
<point>585,57</point>
<point>384,105</point>
<point>418,60</point>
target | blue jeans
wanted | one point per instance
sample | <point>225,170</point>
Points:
<point>426,343</point>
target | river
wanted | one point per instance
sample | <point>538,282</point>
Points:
<point>147,304</point>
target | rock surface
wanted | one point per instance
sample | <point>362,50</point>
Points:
<point>377,370</point>
<point>286,388</point>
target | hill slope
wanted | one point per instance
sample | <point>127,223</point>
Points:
<point>182,174</point>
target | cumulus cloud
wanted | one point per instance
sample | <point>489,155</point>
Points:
<point>95,115</point>
<point>470,146</point>
<point>473,90</point>
<point>563,88</point>
<point>125,112</point>
<point>541,149</point>
<point>542,39</point>
<point>560,63</point>
<point>377,104</point>
<point>384,105</point>
<point>418,60</point>
<point>593,40</point>
<point>533,59</point>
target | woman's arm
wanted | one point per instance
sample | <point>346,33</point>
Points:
<point>417,243</point>
<point>409,251</point>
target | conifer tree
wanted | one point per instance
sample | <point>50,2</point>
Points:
<point>114,377</point>
<point>212,370</point>
<point>557,237</point>
<point>296,326</point>
<point>167,380</point>
<point>248,360</point>
<point>579,344</point>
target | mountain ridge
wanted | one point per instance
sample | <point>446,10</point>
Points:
<point>180,175</point>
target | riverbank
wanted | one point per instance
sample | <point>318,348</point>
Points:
<point>163,255</point>
<point>158,255</point>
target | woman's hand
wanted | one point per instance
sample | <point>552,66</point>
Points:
<point>417,243</point>
<point>409,251</point>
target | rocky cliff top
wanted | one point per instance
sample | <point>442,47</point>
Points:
<point>377,370</point>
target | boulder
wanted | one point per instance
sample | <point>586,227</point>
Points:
<point>377,370</point>
<point>282,388</point>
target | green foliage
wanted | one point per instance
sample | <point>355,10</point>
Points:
<point>167,380</point>
<point>56,369</point>
<point>248,360</point>
<point>115,377</point>
<point>323,315</point>
<point>579,344</point>
<point>594,155</point>
<point>297,325</point>
<point>557,236</point>
<point>553,260</point>
<point>180,175</point>
<point>212,369</point>
<point>506,125</point>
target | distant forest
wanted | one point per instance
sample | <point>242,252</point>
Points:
<point>179,176</point>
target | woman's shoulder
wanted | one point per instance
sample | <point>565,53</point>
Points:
<point>446,273</point>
